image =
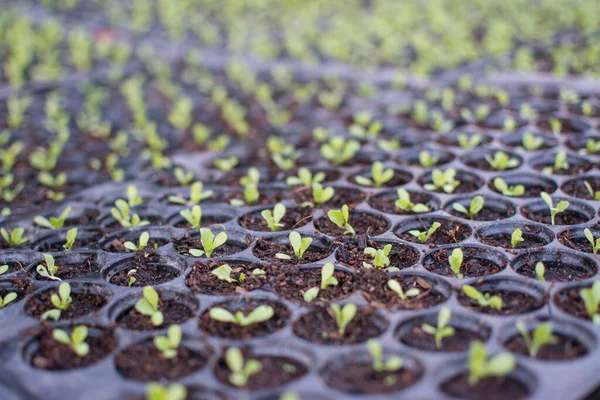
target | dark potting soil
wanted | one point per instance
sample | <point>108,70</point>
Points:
<point>292,283</point>
<point>49,247</point>
<point>577,189</point>
<point>465,186</point>
<point>348,196</point>
<point>350,252</point>
<point>265,198</point>
<point>569,300</point>
<point>449,232</point>
<point>565,348</point>
<point>580,243</point>
<point>22,287</point>
<point>188,242</point>
<point>362,223</point>
<point>72,271</point>
<point>173,313</point>
<point>359,377</point>
<point>208,220</point>
<point>293,219</point>
<point>400,178</point>
<point>459,341</point>
<point>473,264</point>
<point>505,388</point>
<point>513,302</point>
<point>202,280</point>
<point>85,302</point>
<point>557,271</point>
<point>387,204</point>
<point>266,250</point>
<point>374,288</point>
<point>148,271</point>
<point>564,218</point>
<point>532,236</point>
<point>487,213</point>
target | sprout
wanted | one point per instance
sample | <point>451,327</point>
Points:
<point>509,124</point>
<point>130,277</point>
<point>259,314</point>
<point>342,219</point>
<point>60,301</point>
<point>532,142</point>
<point>193,216</point>
<point>148,305</point>
<point>121,212</point>
<point>240,370</point>
<point>456,260</point>
<point>542,336</point>
<point>226,164</point>
<point>379,175</point>
<point>425,235</point>
<point>184,178</point>
<point>76,341</point>
<point>253,176</point>
<point>480,367</point>
<point>516,237</point>
<point>595,195</point>
<point>168,344</point>
<point>175,391</point>
<point>338,150</point>
<point>379,364</point>
<point>475,207</point>
<point>49,270</point>
<point>540,271</point>
<point>560,162</point>
<point>320,194</point>
<point>590,237</point>
<point>380,258</point>
<point>53,222</point>
<point>133,199</point>
<point>510,191</point>
<point>364,127</point>
<point>560,207</point>
<point>405,204</point>
<point>71,237</point>
<point>197,194</point>
<point>343,316</point>
<point>591,300</point>
<point>443,180</point>
<point>299,245</point>
<point>469,142</point>
<point>426,159</point>
<point>14,238</point>
<point>8,298</point>
<point>143,242</point>
<point>442,329</point>
<point>209,242</point>
<point>592,146</point>
<point>273,218</point>
<point>251,195</point>
<point>501,161</point>
<point>305,178</point>
<point>327,279</point>
<point>484,300</point>
<point>397,288</point>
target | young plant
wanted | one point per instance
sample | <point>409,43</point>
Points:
<point>193,216</point>
<point>327,279</point>
<point>501,161</point>
<point>480,367</point>
<point>210,242</point>
<point>14,238</point>
<point>133,198</point>
<point>405,204</point>
<point>532,142</point>
<point>341,218</point>
<point>175,391</point>
<point>142,243</point>
<point>510,191</point>
<point>343,316</point>
<point>595,194</point>
<point>380,364</point>
<point>395,286</point>
<point>168,344</point>
<point>425,235</point>
<point>484,300</point>
<point>148,305</point>
<point>542,336</point>
<point>76,341</point>
<point>60,301</point>
<point>122,213</point>
<point>456,260</point>
<point>251,195</point>
<point>469,142</point>
<point>476,206</point>
<point>320,195</point>
<point>426,159</point>
<point>226,164</point>
<point>594,242</point>
<point>53,222</point>
<point>241,370</point>
<point>560,207</point>
<point>71,237</point>
<point>273,218</point>
<point>442,329</point>
<point>305,178</point>
<point>443,180</point>
<point>540,271</point>
<point>380,258</point>
<point>49,270</point>
<point>591,300</point>
<point>379,176</point>
<point>259,314</point>
<point>560,162</point>
<point>516,237</point>
<point>338,150</point>
<point>7,299</point>
<point>131,277</point>
<point>299,245</point>
<point>197,194</point>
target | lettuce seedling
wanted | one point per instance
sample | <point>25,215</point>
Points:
<point>484,300</point>
<point>560,162</point>
<point>516,237</point>
<point>193,216</point>
<point>510,191</point>
<point>443,180</point>
<point>480,367</point>
<point>595,194</point>
<point>425,235</point>
<point>442,329</point>
<point>121,213</point>
<point>594,242</point>
<point>341,218</point>
<point>253,176</point>
<point>4,268</point>
<point>273,218</point>
<point>476,206</point>
<point>197,194</point>
<point>133,198</point>
<point>456,260</point>
<point>379,176</point>
<point>175,391</point>
<point>320,195</point>
<point>327,279</point>
<point>540,271</point>
<point>226,164</point>
<point>224,273</point>
<point>532,142</point>
<point>71,237</point>
<point>396,287</point>
<point>305,178</point>
<point>143,242</point>
<point>380,258</point>
<point>60,301</point>
<point>168,344</point>
<point>209,242</point>
<point>392,364</point>
<point>184,178</point>
<point>364,127</point>
<point>542,336</point>
<point>259,314</point>
<point>7,299</point>
<point>560,207</point>
<point>591,300</point>
<point>14,238</point>
<point>338,150</point>
<point>405,204</point>
<point>49,270</point>
<point>131,277</point>
<point>251,195</point>
<point>343,316</point>
<point>426,159</point>
<point>76,341</point>
<point>241,370</point>
<point>148,305</point>
<point>53,222</point>
<point>299,245</point>
<point>469,142</point>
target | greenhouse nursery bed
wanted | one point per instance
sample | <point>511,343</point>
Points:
<point>184,226</point>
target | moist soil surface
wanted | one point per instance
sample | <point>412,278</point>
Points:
<point>387,204</point>
<point>184,245</point>
<point>117,245</point>
<point>348,196</point>
<point>374,288</point>
<point>85,302</point>
<point>565,348</point>
<point>505,388</point>
<point>449,232</point>
<point>557,271</point>
<point>487,213</point>
<point>473,265</point>
<point>267,250</point>
<point>208,220</point>
<point>54,247</point>
<point>148,271</point>
<point>202,280</point>
<point>564,218</point>
<point>513,302</point>
<point>293,219</point>
<point>569,300</point>
<point>531,235</point>
<point>360,378</point>
<point>350,252</point>
<point>291,284</point>
<point>416,337</point>
<point>576,243</point>
<point>72,271</point>
<point>173,313</point>
<point>362,223</point>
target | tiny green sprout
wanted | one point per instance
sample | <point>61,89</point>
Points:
<point>590,237</point>
<point>240,371</point>
<point>60,301</point>
<point>53,222</point>
<point>442,329</point>
<point>456,260</point>
<point>143,242</point>
<point>586,108</point>
<point>49,270</point>
<point>305,178</point>
<point>426,159</point>
<point>484,300</point>
<point>532,142</point>
<point>389,145</point>
<point>392,364</point>
<point>184,178</point>
<point>121,213</point>
<point>556,126</point>
<point>76,341</point>
<point>475,207</point>
<point>253,176</point>
<point>193,216</point>
<point>405,204</point>
<point>510,191</point>
<point>509,124</point>
<point>395,286</point>
<point>71,237</point>
<point>343,316</point>
<point>516,237</point>
<point>320,194</point>
<point>379,176</point>
<point>327,279</point>
<point>168,344</point>
<point>560,207</point>
<point>338,150</point>
<point>380,258</point>
<point>480,367</point>
<point>7,299</point>
<point>175,391</point>
<point>4,268</point>
<point>341,218</point>
<point>542,336</point>
<point>501,161</point>
<point>299,245</point>
<point>273,218</point>
<point>540,271</point>
<point>148,305</point>
<point>133,198</point>
<point>560,162</point>
<point>197,194</point>
<point>469,142</point>
<point>591,147</point>
<point>251,195</point>
<point>14,238</point>
<point>259,314</point>
<point>595,195</point>
<point>443,180</point>
<point>209,242</point>
<point>425,235</point>
<point>223,272</point>
<point>131,277</point>
<point>226,164</point>
<point>591,300</point>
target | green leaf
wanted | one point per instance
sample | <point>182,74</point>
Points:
<point>222,315</point>
<point>311,294</point>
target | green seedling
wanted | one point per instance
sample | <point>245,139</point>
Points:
<point>591,300</point>
<point>516,237</point>
<point>396,287</point>
<point>510,191</point>
<point>60,301</point>
<point>53,222</point>
<point>339,150</point>
<point>273,218</point>
<point>595,194</point>
<point>224,271</point>
<point>501,161</point>
<point>122,213</point>
<point>4,268</point>
<point>76,341</point>
<point>71,237</point>
<point>591,147</point>
<point>426,159</point>
<point>14,238</point>
<point>210,242</point>
<point>532,142</point>
<point>133,198</point>
<point>175,391</point>
<point>7,299</point>
<point>380,364</point>
<point>251,195</point>
<point>560,207</point>
<point>405,204</point>
<point>484,300</point>
<point>341,218</point>
<point>480,367</point>
<point>143,242</point>
<point>241,370</point>
<point>299,245</point>
<point>184,178</point>
<point>594,242</point>
<point>148,305</point>
<point>510,124</point>
<point>131,277</point>
<point>320,194</point>
<point>560,162</point>
<point>443,180</point>
<point>305,178</point>
<point>380,258</point>
<point>469,142</point>
<point>379,176</point>
<point>49,270</point>
<point>343,316</point>
<point>476,206</point>
<point>168,344</point>
<point>226,164</point>
<point>424,236</point>
<point>197,194</point>
<point>253,176</point>
<point>456,260</point>
<point>327,279</point>
<point>540,271</point>
<point>258,315</point>
<point>442,330</point>
<point>193,216</point>
<point>364,127</point>
<point>542,336</point>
